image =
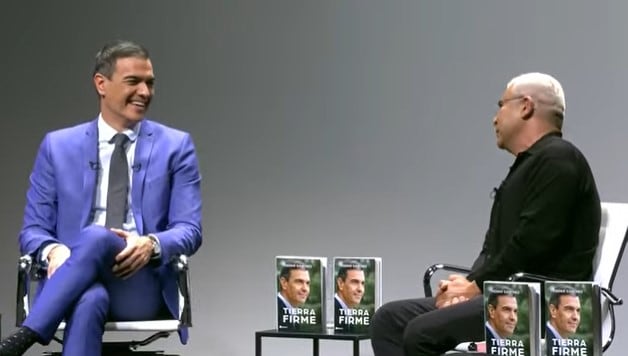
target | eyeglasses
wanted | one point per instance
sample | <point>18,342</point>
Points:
<point>503,102</point>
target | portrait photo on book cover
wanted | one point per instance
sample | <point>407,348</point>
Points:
<point>507,318</point>
<point>569,327</point>
<point>355,286</point>
<point>299,294</point>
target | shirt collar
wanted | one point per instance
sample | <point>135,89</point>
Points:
<point>553,329</point>
<point>495,333</point>
<point>342,304</point>
<point>542,143</point>
<point>285,301</point>
<point>536,147</point>
<point>106,132</point>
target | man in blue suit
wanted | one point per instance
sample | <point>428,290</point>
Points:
<point>100,269</point>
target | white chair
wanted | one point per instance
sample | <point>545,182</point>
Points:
<point>612,241</point>
<point>30,272</point>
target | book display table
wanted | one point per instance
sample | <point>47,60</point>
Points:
<point>315,336</point>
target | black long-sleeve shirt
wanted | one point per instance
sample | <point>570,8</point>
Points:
<point>545,217</point>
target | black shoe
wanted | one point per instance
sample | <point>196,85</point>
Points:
<point>17,343</point>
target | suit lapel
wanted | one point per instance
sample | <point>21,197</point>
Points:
<point>91,164</point>
<point>143,150</point>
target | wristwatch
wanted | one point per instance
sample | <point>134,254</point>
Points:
<point>156,245</point>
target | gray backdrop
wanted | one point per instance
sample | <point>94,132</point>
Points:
<point>322,127</point>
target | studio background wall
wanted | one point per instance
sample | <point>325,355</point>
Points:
<point>322,128</point>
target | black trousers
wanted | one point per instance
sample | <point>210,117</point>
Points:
<point>414,327</point>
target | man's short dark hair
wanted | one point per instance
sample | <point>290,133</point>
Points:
<point>558,291</point>
<point>345,266</point>
<point>497,292</point>
<point>288,266</point>
<point>106,58</point>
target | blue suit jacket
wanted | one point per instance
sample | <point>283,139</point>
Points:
<point>165,193</point>
<point>489,335</point>
<point>550,336</point>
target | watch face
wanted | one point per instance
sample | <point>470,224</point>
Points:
<point>156,247</point>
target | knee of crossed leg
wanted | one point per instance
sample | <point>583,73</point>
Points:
<point>380,322</point>
<point>99,243</point>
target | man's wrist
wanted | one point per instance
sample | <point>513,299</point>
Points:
<point>473,290</point>
<point>156,245</point>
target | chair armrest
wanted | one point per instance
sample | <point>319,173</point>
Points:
<point>529,277</point>
<point>24,266</point>
<point>612,298</point>
<point>181,267</point>
<point>28,270</point>
<point>429,272</point>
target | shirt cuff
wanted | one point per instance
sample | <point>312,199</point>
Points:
<point>46,251</point>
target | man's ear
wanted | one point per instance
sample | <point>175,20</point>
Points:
<point>552,311</point>
<point>491,311</point>
<point>527,108</point>
<point>99,83</point>
<point>283,282</point>
<point>339,283</point>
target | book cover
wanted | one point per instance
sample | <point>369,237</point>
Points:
<point>512,314</point>
<point>300,293</point>
<point>573,319</point>
<point>357,288</point>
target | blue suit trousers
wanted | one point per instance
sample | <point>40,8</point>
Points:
<point>84,292</point>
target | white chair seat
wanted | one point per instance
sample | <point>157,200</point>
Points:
<point>145,325</point>
<point>30,272</point>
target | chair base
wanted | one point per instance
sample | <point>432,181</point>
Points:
<point>120,349</point>
<point>127,353</point>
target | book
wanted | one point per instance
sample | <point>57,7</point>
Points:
<point>300,295</point>
<point>512,315</point>
<point>573,319</point>
<point>357,287</point>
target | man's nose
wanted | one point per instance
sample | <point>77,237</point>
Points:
<point>143,89</point>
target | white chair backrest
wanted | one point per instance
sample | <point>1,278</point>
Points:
<point>613,229</point>
<point>612,241</point>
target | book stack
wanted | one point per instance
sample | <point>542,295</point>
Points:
<point>300,293</point>
<point>512,316</point>
<point>572,319</point>
<point>301,284</point>
<point>357,292</point>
